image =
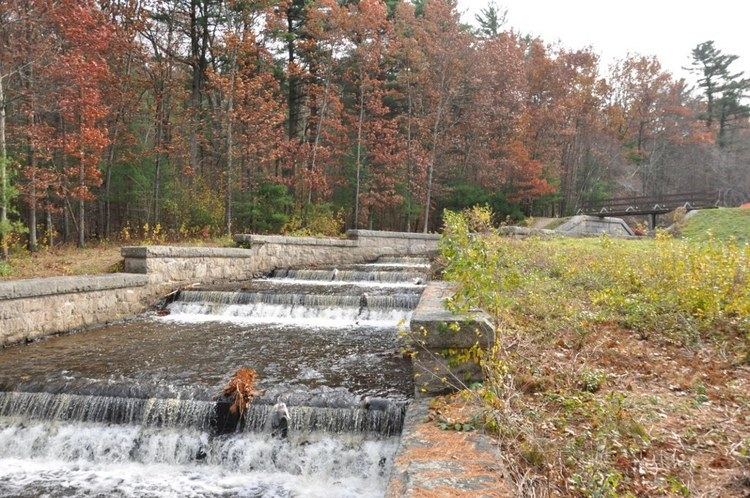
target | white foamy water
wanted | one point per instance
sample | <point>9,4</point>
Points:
<point>419,266</point>
<point>355,283</point>
<point>77,459</point>
<point>264,313</point>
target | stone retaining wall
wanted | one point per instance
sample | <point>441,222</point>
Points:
<point>261,254</point>
<point>31,309</point>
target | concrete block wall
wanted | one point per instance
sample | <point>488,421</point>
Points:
<point>260,254</point>
<point>595,225</point>
<point>436,334</point>
<point>34,308</point>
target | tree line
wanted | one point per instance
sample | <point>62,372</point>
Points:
<point>217,116</point>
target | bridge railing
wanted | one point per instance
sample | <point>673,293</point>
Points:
<point>649,204</point>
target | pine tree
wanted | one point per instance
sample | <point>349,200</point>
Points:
<point>725,91</point>
<point>491,20</point>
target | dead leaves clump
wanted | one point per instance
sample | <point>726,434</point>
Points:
<point>241,388</point>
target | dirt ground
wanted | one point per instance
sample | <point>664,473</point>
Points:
<point>693,404</point>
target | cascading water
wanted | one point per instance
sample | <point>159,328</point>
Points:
<point>337,311</point>
<point>131,409</point>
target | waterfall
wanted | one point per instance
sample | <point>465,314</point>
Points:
<point>318,310</point>
<point>386,301</point>
<point>104,460</point>
<point>135,408</point>
<point>351,275</point>
<point>147,412</point>
<point>194,414</point>
<point>404,259</point>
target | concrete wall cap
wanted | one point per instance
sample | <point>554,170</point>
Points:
<point>392,235</point>
<point>287,240</point>
<point>184,252</point>
<point>36,287</point>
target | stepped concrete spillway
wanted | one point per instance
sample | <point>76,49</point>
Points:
<point>136,407</point>
<point>35,308</point>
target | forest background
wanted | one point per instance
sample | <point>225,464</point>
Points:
<point>169,119</point>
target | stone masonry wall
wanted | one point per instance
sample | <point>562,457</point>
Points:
<point>31,309</point>
<point>34,308</point>
<point>263,253</point>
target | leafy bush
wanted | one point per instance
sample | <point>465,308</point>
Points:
<point>11,230</point>
<point>318,220</point>
<point>467,195</point>
<point>5,269</point>
<point>194,205</point>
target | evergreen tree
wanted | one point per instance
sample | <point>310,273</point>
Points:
<point>491,20</point>
<point>725,91</point>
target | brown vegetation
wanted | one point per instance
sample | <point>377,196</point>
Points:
<point>241,388</point>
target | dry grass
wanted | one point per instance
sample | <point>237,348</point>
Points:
<point>97,258</point>
<point>67,260</point>
<point>620,368</point>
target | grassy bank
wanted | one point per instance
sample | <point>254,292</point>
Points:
<point>722,224</point>
<point>620,366</point>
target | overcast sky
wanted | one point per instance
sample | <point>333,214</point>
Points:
<point>668,29</point>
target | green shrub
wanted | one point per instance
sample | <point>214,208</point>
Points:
<point>318,220</point>
<point>263,210</point>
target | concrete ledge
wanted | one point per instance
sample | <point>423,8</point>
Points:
<point>595,225</point>
<point>434,462</point>
<point>184,252</point>
<point>440,328</point>
<point>252,239</point>
<point>37,287</point>
<point>437,335</point>
<point>515,231</point>
<point>392,235</point>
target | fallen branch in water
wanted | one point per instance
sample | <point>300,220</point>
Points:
<point>242,389</point>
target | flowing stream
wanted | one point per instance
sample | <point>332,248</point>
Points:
<point>134,408</point>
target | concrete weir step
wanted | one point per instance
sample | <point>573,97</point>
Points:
<point>431,461</point>
<point>434,330</point>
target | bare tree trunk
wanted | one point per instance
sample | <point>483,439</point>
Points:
<point>430,173</point>
<point>157,162</point>
<point>433,152</point>
<point>33,245</point>
<point>293,94</point>
<point>230,145</point>
<point>3,178</point>
<point>81,209</point>
<point>318,131</point>
<point>50,227</point>
<point>359,149</point>
<point>108,187</point>
<point>66,221</point>
<point>409,194</point>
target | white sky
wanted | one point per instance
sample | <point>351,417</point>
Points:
<point>668,29</point>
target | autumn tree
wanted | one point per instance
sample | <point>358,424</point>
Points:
<point>447,56</point>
